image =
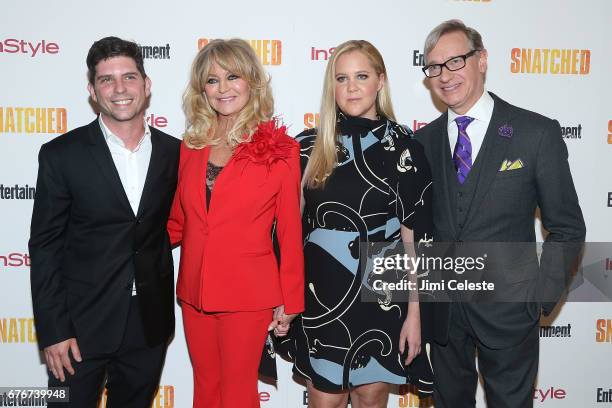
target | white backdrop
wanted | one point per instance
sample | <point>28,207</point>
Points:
<point>43,46</point>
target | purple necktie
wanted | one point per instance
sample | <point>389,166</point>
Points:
<point>462,155</point>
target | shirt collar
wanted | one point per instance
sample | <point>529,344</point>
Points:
<point>110,137</point>
<point>482,109</point>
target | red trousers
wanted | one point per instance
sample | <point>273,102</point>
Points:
<point>225,350</point>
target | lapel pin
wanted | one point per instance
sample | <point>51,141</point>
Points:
<point>505,131</point>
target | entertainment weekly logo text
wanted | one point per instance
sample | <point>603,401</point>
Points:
<point>556,331</point>
<point>604,395</point>
<point>155,51</point>
<point>418,58</point>
<point>571,131</point>
<point>17,192</point>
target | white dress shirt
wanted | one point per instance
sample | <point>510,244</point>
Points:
<point>476,130</point>
<point>132,166</point>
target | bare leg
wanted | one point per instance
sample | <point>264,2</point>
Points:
<point>375,395</point>
<point>320,399</point>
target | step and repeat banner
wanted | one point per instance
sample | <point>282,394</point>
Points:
<point>550,56</point>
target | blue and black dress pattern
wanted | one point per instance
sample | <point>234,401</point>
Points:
<point>382,180</point>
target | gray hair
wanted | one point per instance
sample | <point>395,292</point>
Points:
<point>449,26</point>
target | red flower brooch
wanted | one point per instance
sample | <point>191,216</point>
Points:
<point>268,144</point>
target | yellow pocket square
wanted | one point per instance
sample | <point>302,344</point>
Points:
<point>511,165</point>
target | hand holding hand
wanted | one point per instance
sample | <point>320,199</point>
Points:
<point>281,321</point>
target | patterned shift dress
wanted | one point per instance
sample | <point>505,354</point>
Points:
<point>382,179</point>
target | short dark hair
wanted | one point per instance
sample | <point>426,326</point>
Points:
<point>109,47</point>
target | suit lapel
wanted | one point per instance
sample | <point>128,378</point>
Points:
<point>442,152</point>
<point>193,177</point>
<point>221,184</point>
<point>102,156</point>
<point>493,150</point>
<point>201,180</point>
<point>154,172</point>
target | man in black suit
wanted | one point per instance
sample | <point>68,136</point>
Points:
<point>493,164</point>
<point>102,270</point>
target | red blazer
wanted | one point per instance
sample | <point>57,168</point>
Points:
<point>227,260</point>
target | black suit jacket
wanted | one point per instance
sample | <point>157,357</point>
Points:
<point>502,210</point>
<point>87,246</point>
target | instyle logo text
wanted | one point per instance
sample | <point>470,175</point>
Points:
<point>14,260</point>
<point>321,54</point>
<point>157,121</point>
<point>548,394</point>
<point>33,48</point>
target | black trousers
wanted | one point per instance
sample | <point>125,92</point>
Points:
<point>132,372</point>
<point>508,374</point>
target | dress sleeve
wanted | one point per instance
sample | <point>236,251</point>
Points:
<point>414,188</point>
<point>306,140</point>
<point>177,216</point>
<point>289,234</point>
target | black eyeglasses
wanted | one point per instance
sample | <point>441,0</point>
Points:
<point>453,64</point>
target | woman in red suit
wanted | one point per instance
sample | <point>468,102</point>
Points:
<point>239,172</point>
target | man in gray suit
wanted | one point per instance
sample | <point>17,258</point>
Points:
<point>493,164</point>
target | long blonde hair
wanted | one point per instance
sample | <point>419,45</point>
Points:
<point>323,158</point>
<point>235,56</point>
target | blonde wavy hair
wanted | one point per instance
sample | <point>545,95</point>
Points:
<point>323,158</point>
<point>235,56</point>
